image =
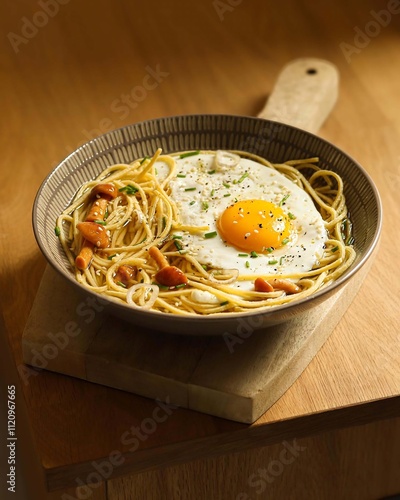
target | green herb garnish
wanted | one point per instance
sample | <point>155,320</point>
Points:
<point>181,285</point>
<point>162,287</point>
<point>283,200</point>
<point>246,174</point>
<point>226,195</point>
<point>164,222</point>
<point>191,153</point>
<point>190,189</point>
<point>247,264</point>
<point>178,246</point>
<point>253,254</point>
<point>350,240</point>
<point>129,189</point>
<point>272,262</point>
<point>213,234</point>
<point>281,260</point>
<point>224,303</point>
<point>285,241</point>
<point>57,231</point>
<point>121,284</point>
<point>176,237</point>
<point>243,254</point>
<point>204,205</point>
<point>269,249</point>
<point>212,193</point>
<point>144,159</point>
<point>101,222</point>
<point>291,216</point>
<point>182,176</point>
<point>192,202</point>
<point>140,242</point>
<point>226,184</point>
<point>110,257</point>
<point>335,249</point>
<point>211,172</point>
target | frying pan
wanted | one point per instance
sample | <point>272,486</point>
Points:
<point>302,98</point>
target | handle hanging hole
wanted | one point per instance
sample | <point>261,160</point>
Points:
<point>311,71</point>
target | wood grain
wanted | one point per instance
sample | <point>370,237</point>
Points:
<point>67,83</point>
<point>235,379</point>
<point>357,463</point>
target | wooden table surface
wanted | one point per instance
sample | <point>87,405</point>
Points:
<point>77,76</point>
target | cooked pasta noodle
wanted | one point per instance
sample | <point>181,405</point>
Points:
<point>144,215</point>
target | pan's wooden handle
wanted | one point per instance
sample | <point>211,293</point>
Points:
<point>304,94</point>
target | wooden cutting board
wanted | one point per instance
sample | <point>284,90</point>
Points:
<point>237,378</point>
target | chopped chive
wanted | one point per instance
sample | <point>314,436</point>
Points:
<point>224,303</point>
<point>162,287</point>
<point>281,260</point>
<point>182,176</point>
<point>212,193</point>
<point>211,172</point>
<point>226,184</point>
<point>106,215</point>
<point>247,264</point>
<point>176,237</point>
<point>350,240</point>
<point>57,231</point>
<point>291,216</point>
<point>246,174</point>
<point>155,171</point>
<point>204,205</point>
<point>192,202</point>
<point>272,262</point>
<point>243,254</point>
<point>144,159</point>
<point>204,267</point>
<point>285,241</point>
<point>283,200</point>
<point>191,153</point>
<point>335,249</point>
<point>178,246</point>
<point>190,189</point>
<point>253,254</point>
<point>121,284</point>
<point>110,257</point>
<point>140,242</point>
<point>213,234</point>
<point>164,222</point>
<point>181,285</point>
<point>269,249</point>
<point>226,195</point>
<point>129,189</point>
<point>101,222</point>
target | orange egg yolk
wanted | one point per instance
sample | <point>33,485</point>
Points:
<point>254,225</point>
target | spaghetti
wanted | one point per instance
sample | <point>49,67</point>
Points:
<point>141,215</point>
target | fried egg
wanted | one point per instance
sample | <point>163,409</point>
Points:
<point>259,222</point>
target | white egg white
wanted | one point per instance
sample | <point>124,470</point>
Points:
<point>202,191</point>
